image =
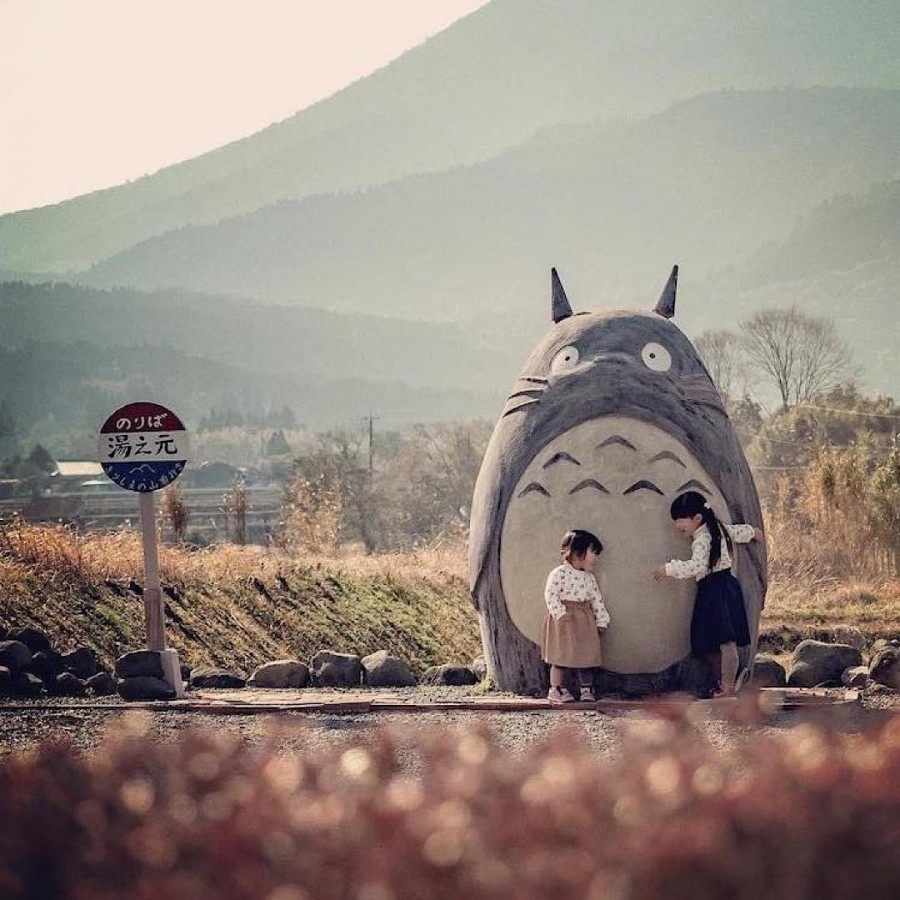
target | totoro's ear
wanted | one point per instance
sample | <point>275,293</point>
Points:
<point>560,309</point>
<point>666,304</point>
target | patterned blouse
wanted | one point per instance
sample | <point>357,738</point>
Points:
<point>566,584</point>
<point>697,566</point>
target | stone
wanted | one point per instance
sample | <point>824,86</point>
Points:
<point>102,684</point>
<point>330,669</point>
<point>36,641</point>
<point>816,663</point>
<point>883,644</point>
<point>280,673</point>
<point>451,674</point>
<point>145,687</point>
<point>46,664</point>
<point>850,635</point>
<point>28,685</point>
<point>884,668</point>
<point>855,677</point>
<point>15,656</point>
<point>69,685</point>
<point>212,677</point>
<point>140,662</point>
<point>82,662</point>
<point>381,670</point>
<point>6,682</point>
<point>479,668</point>
<point>768,673</point>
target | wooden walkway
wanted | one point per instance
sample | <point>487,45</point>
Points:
<point>249,701</point>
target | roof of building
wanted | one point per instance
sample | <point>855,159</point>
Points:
<point>79,469</point>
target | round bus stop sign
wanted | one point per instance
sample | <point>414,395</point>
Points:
<point>143,447</point>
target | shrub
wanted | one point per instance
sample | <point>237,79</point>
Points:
<point>811,814</point>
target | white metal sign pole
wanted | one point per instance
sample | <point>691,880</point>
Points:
<point>153,607</point>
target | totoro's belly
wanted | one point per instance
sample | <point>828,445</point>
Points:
<point>616,477</point>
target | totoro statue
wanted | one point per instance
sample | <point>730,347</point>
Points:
<point>613,416</point>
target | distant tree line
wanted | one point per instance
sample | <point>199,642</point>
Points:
<point>216,419</point>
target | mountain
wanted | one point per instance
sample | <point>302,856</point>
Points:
<point>68,355</point>
<point>841,261</point>
<point>486,84</point>
<point>298,342</point>
<point>704,182</point>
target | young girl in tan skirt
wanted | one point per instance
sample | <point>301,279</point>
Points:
<point>576,617</point>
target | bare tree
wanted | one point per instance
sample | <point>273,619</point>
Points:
<point>176,511</point>
<point>800,352</point>
<point>721,353</point>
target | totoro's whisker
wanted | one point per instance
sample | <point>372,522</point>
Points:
<point>530,392</point>
<point>537,379</point>
<point>562,456</point>
<point>533,488</point>
<point>668,454</point>
<point>520,408</point>
<point>694,485</point>
<point>643,485</point>
<point>589,483</point>
<point>616,439</point>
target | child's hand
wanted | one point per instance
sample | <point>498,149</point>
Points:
<point>659,573</point>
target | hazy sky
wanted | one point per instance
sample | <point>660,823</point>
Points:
<point>96,92</point>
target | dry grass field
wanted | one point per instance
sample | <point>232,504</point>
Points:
<point>239,606</point>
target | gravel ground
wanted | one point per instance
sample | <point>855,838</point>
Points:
<point>295,732</point>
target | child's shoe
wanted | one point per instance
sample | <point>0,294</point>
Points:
<point>559,695</point>
<point>587,695</point>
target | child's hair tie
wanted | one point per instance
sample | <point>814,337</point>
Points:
<point>706,505</point>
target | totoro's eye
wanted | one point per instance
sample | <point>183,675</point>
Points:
<point>565,359</point>
<point>656,357</point>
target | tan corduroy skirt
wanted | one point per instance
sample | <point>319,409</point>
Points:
<point>572,641</point>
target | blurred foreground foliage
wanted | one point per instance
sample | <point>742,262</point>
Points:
<point>810,813</point>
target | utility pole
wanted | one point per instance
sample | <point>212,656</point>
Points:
<point>371,419</point>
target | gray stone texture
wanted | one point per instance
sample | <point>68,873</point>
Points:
<point>768,673</point>
<point>382,670</point>
<point>212,677</point>
<point>46,665</point>
<point>15,656</point>
<point>884,667</point>
<point>144,687</point>
<point>452,674</point>
<point>81,662</point>
<point>69,685</point>
<point>101,685</point>
<point>330,669</point>
<point>855,677</point>
<point>280,673</point>
<point>36,641</point>
<point>816,663</point>
<point>140,662</point>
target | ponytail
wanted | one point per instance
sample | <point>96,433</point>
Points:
<point>692,503</point>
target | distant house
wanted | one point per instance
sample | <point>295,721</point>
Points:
<point>73,476</point>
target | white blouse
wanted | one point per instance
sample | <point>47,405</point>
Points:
<point>701,543</point>
<point>566,584</point>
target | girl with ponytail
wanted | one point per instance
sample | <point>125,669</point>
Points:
<point>719,622</point>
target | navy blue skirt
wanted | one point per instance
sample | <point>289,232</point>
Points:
<point>719,614</point>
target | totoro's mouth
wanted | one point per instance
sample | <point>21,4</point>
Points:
<point>614,476</point>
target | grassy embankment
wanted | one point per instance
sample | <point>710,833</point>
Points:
<point>238,607</point>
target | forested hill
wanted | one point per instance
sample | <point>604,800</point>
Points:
<point>486,84</point>
<point>704,183</point>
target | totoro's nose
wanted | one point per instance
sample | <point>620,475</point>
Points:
<point>613,357</point>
